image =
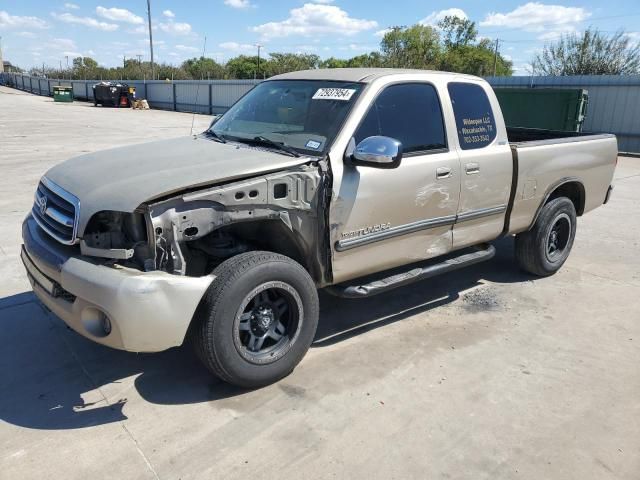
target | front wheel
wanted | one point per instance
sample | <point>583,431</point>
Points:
<point>544,249</point>
<point>257,319</point>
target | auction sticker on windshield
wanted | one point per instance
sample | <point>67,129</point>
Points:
<point>343,94</point>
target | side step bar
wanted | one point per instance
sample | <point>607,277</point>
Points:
<point>484,252</point>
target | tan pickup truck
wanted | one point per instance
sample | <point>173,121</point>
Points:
<point>314,179</point>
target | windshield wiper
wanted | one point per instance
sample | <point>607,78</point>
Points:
<point>280,146</point>
<point>215,136</point>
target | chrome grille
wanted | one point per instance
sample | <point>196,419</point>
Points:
<point>56,211</point>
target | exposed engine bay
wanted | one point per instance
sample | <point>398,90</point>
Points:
<point>193,232</point>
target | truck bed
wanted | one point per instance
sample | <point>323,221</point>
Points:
<point>520,135</point>
<point>545,159</point>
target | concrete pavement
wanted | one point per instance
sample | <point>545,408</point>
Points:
<point>485,373</point>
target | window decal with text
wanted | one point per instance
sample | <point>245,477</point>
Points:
<point>474,118</point>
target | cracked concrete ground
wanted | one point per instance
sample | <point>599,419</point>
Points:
<point>485,373</point>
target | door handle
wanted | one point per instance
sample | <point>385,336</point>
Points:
<point>472,168</point>
<point>443,172</point>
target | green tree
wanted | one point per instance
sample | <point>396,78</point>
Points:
<point>411,47</point>
<point>288,62</point>
<point>244,66</point>
<point>457,31</point>
<point>475,59</point>
<point>372,59</point>
<point>452,47</point>
<point>170,72</point>
<point>90,63</point>
<point>203,68</point>
<point>589,53</point>
<point>84,67</point>
<point>333,62</point>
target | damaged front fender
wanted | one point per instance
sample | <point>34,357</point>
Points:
<point>278,212</point>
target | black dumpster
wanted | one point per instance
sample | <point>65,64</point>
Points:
<point>112,94</point>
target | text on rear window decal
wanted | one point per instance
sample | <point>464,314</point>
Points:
<point>475,124</point>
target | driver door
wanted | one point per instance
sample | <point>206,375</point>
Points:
<point>384,218</point>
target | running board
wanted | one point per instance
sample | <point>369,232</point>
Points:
<point>485,252</point>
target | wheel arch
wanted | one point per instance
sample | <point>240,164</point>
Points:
<point>569,187</point>
<point>275,236</point>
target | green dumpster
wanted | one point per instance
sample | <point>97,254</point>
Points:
<point>562,109</point>
<point>62,94</point>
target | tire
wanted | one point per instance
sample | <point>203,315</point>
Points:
<point>237,324</point>
<point>536,250</point>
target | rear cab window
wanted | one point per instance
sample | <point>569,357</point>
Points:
<point>475,123</point>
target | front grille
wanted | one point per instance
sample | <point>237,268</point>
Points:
<point>56,211</point>
<point>47,284</point>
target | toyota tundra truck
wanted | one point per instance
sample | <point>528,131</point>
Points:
<point>357,181</point>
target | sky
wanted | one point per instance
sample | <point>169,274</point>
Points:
<point>47,31</point>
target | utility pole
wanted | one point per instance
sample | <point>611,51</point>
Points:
<point>533,73</point>
<point>1,59</point>
<point>259,47</point>
<point>153,74</point>
<point>43,74</point>
<point>495,57</point>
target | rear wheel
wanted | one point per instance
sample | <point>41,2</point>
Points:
<point>544,249</point>
<point>257,320</point>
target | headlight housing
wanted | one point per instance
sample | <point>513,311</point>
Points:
<point>119,236</point>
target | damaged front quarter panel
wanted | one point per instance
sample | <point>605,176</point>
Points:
<point>280,212</point>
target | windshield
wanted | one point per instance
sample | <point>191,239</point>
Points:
<point>304,115</point>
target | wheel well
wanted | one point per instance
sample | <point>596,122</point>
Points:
<point>273,236</point>
<point>574,191</point>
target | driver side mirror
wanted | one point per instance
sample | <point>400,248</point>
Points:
<point>378,152</point>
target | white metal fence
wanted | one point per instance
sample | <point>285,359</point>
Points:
<point>614,101</point>
<point>206,96</point>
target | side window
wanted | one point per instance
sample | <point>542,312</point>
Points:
<point>474,118</point>
<point>408,112</point>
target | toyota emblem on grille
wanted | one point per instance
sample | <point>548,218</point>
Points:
<point>42,204</point>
